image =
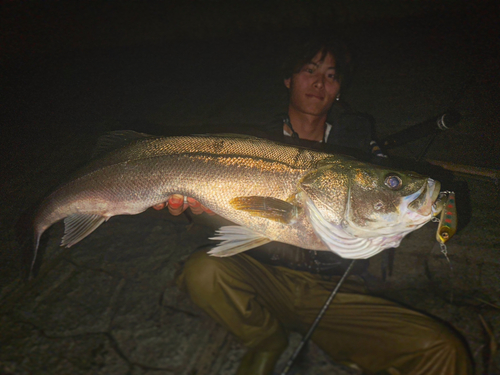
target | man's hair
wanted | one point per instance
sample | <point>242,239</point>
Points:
<point>302,50</point>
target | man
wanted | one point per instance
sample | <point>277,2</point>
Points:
<point>264,293</point>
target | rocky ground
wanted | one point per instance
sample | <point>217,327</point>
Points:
<point>109,306</point>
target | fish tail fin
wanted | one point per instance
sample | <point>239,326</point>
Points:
<point>76,228</point>
<point>27,236</point>
<point>36,244</point>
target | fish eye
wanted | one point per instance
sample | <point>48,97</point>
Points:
<point>393,182</point>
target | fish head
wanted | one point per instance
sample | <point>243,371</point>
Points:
<point>359,209</point>
<point>388,202</point>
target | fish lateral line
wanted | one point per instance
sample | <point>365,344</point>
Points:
<point>214,156</point>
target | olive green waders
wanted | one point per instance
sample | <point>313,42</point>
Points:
<point>260,304</point>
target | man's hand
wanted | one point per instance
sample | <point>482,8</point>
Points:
<point>177,205</point>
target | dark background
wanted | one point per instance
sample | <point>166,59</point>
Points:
<point>72,70</point>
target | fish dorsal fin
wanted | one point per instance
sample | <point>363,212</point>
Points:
<point>228,135</point>
<point>334,160</point>
<point>266,207</point>
<point>116,139</point>
<point>79,226</point>
<point>234,135</point>
<point>236,239</point>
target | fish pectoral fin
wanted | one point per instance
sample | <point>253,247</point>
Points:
<point>266,207</point>
<point>236,239</point>
<point>79,226</point>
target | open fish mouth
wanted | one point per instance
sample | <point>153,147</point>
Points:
<point>422,202</point>
<point>436,187</point>
<point>439,203</point>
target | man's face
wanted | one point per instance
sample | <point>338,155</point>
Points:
<point>314,88</point>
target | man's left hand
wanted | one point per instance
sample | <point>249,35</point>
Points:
<point>177,204</point>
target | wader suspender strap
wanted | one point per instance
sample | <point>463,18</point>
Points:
<point>295,136</point>
<point>308,335</point>
<point>286,120</point>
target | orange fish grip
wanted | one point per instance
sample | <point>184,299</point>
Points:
<point>448,221</point>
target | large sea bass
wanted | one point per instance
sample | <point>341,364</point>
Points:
<point>274,192</point>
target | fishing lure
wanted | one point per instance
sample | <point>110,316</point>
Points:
<point>446,205</point>
<point>448,221</point>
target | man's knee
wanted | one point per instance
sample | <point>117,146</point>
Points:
<point>198,277</point>
<point>445,353</point>
<point>454,353</point>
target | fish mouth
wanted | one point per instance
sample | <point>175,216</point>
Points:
<point>436,190</point>
<point>424,200</point>
<point>439,203</point>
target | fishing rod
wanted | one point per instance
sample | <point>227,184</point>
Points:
<point>309,333</point>
<point>435,125</point>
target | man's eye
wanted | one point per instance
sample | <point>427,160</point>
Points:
<point>332,76</point>
<point>309,70</point>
